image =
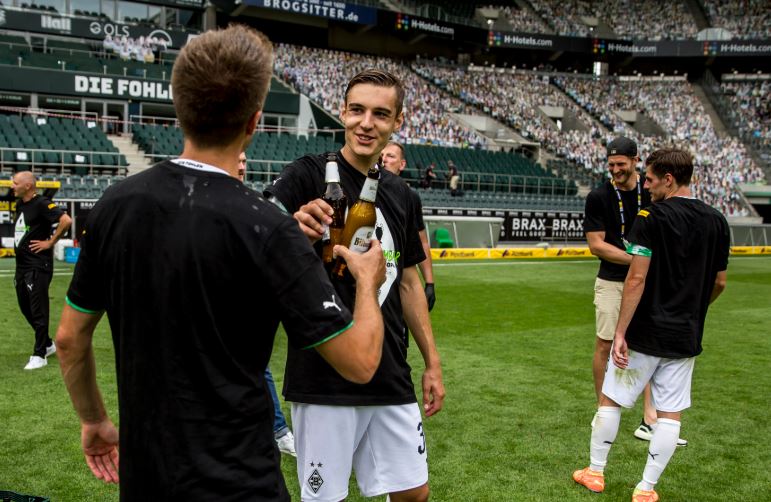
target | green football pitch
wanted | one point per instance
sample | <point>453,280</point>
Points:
<point>516,340</point>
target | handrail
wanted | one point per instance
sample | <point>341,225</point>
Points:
<point>32,163</point>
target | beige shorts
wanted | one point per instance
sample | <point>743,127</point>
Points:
<point>607,303</point>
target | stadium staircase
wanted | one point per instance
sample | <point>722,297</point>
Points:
<point>697,11</point>
<point>136,158</point>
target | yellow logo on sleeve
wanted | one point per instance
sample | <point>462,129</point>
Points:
<point>51,205</point>
<point>643,213</point>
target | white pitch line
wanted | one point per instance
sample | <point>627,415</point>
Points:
<point>11,274</point>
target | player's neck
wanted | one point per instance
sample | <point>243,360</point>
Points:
<point>361,164</point>
<point>226,158</point>
<point>679,191</point>
<point>28,197</point>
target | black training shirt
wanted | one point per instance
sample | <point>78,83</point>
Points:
<point>35,221</point>
<point>195,272</point>
<point>688,244</point>
<point>419,223</point>
<point>602,214</point>
<point>309,379</point>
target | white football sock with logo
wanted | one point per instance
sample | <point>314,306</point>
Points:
<point>660,450</point>
<point>603,435</point>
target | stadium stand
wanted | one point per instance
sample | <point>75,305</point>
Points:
<point>322,75</point>
<point>481,171</point>
<point>721,163</point>
<point>750,110</point>
<point>56,145</point>
<point>743,18</point>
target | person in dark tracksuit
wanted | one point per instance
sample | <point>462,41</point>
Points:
<point>39,223</point>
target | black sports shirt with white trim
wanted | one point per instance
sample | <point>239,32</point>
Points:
<point>688,243</point>
<point>309,378</point>
<point>195,272</point>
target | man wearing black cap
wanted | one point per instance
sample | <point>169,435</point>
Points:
<point>610,212</point>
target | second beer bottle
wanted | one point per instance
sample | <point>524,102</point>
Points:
<point>360,224</point>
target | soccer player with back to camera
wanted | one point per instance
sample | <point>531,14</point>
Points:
<point>195,272</point>
<point>375,429</point>
<point>611,210</point>
<point>679,248</point>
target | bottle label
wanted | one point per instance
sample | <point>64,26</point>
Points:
<point>361,239</point>
<point>369,190</point>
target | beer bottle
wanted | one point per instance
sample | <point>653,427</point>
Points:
<point>335,197</point>
<point>360,224</point>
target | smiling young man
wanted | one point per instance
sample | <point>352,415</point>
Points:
<point>376,428</point>
<point>679,248</point>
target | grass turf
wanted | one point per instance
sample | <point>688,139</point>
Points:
<point>516,340</point>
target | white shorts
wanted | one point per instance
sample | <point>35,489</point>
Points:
<point>670,381</point>
<point>607,303</point>
<point>384,444</point>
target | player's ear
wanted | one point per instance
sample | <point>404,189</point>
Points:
<point>399,121</point>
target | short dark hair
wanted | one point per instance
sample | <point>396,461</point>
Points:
<point>380,78</point>
<point>677,162</point>
<point>397,145</point>
<point>220,79</point>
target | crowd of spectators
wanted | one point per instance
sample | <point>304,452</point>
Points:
<point>743,18</point>
<point>751,109</point>
<point>720,163</point>
<point>629,19</point>
<point>522,20</point>
<point>143,49</point>
<point>648,19</point>
<point>322,75</point>
<point>564,16</point>
<point>515,99</point>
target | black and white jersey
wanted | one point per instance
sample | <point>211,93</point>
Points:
<point>309,379</point>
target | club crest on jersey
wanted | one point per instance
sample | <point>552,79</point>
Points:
<point>315,481</point>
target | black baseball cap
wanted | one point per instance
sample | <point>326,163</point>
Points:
<point>622,146</point>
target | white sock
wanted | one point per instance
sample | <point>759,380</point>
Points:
<point>660,450</point>
<point>603,435</point>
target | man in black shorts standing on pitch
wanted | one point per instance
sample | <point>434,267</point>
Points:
<point>39,225</point>
<point>377,428</point>
<point>195,272</point>
<point>679,248</point>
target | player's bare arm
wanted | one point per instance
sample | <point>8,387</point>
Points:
<point>608,252</point>
<point>355,354</point>
<point>634,285</point>
<point>415,311</point>
<point>99,437</point>
<point>719,286</point>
